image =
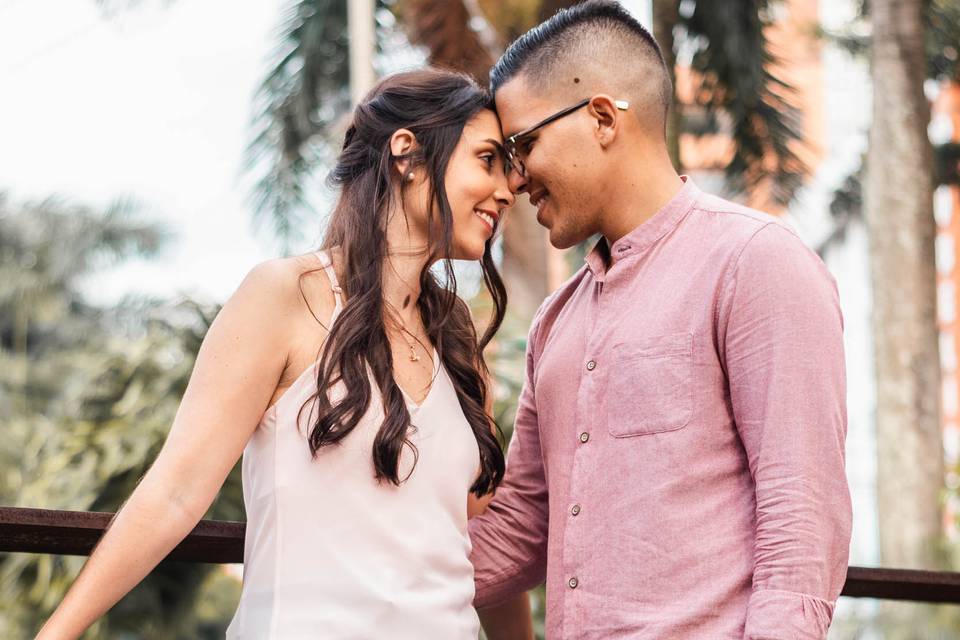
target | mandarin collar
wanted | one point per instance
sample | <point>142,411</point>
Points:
<point>602,256</point>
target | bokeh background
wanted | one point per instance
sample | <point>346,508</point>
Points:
<point>152,152</point>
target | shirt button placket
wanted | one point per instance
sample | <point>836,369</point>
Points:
<point>577,532</point>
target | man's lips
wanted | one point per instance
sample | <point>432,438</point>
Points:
<point>539,199</point>
<point>536,197</point>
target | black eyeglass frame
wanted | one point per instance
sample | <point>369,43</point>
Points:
<point>510,144</point>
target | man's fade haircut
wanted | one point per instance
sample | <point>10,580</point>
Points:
<point>592,31</point>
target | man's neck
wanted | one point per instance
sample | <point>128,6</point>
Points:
<point>643,189</point>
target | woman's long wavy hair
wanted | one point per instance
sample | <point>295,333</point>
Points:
<point>435,106</point>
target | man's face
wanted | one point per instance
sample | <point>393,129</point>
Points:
<point>559,159</point>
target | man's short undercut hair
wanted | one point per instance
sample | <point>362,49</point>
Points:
<point>598,38</point>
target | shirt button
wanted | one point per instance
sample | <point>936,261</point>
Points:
<point>584,436</point>
<point>575,509</point>
<point>591,365</point>
<point>573,582</point>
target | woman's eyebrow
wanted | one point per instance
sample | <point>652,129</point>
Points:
<point>496,144</point>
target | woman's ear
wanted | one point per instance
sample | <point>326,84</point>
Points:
<point>402,144</point>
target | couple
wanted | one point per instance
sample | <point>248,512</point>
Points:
<point>677,465</point>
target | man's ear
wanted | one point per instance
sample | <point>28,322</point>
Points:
<point>608,116</point>
<point>402,144</point>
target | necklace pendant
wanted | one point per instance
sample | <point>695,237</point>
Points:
<point>413,355</point>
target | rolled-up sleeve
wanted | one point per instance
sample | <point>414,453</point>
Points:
<point>510,537</point>
<point>781,337</point>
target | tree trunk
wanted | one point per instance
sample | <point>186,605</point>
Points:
<point>666,13</point>
<point>899,208</point>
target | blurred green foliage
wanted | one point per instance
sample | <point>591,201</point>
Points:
<point>87,395</point>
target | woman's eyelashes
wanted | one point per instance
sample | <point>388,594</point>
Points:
<point>494,158</point>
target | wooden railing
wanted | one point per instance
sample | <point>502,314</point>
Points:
<point>76,533</point>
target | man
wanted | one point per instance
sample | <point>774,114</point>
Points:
<point>677,465</point>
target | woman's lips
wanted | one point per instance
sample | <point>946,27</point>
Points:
<point>489,218</point>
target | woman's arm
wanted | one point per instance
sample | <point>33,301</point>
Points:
<point>236,372</point>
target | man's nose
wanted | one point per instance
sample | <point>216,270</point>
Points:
<point>516,182</point>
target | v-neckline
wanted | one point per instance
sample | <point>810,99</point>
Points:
<point>413,405</point>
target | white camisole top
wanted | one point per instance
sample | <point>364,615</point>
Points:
<point>332,553</point>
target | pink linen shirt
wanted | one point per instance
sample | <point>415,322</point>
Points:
<point>677,464</point>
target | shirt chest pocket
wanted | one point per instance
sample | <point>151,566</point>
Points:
<point>650,388</point>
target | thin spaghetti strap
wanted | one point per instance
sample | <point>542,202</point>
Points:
<point>334,284</point>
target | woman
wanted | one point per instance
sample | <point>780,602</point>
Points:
<point>353,383</point>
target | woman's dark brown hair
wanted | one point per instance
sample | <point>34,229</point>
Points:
<point>434,105</point>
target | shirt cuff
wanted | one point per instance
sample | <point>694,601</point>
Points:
<point>773,614</point>
<point>496,591</point>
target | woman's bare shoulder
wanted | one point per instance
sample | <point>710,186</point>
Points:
<point>290,286</point>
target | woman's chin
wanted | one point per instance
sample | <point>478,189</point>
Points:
<point>470,251</point>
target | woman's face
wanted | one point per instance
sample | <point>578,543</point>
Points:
<point>476,184</point>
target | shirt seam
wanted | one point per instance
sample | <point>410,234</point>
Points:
<point>732,271</point>
<point>736,212</point>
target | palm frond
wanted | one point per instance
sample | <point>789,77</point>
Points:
<point>734,59</point>
<point>846,207</point>
<point>304,93</point>
<point>48,247</point>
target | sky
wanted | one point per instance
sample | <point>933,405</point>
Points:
<point>152,103</point>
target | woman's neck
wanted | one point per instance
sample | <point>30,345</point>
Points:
<point>405,260</point>
<point>401,283</point>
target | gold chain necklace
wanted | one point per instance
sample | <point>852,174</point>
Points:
<point>404,332</point>
<point>414,357</point>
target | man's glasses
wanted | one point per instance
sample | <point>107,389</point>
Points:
<point>515,155</point>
